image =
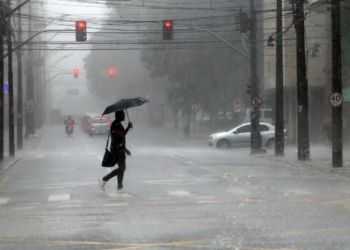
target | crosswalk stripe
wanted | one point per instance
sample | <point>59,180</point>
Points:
<point>119,195</point>
<point>180,193</point>
<point>3,201</point>
<point>59,197</point>
<point>116,204</point>
<point>23,208</point>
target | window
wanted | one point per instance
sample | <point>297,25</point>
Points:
<point>244,129</point>
<point>263,128</point>
<point>104,120</point>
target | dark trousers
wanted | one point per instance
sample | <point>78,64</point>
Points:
<point>117,172</point>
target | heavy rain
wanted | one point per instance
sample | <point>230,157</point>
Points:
<point>183,124</point>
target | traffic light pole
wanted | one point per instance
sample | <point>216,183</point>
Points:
<point>30,115</point>
<point>10,85</point>
<point>302,85</point>
<point>2,24</point>
<point>279,130</point>
<point>255,119</point>
<point>337,122</point>
<point>19,88</point>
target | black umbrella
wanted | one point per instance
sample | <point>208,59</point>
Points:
<point>125,104</point>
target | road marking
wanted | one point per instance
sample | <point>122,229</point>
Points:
<point>61,170</point>
<point>27,204</point>
<point>69,206</point>
<point>28,181</point>
<point>116,204</point>
<point>4,201</point>
<point>204,202</point>
<point>179,193</point>
<point>66,154</point>
<point>59,197</point>
<point>20,208</point>
<point>119,195</point>
<point>298,192</point>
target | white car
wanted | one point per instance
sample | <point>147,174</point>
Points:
<point>240,136</point>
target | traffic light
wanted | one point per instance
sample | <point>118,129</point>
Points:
<point>168,30</point>
<point>248,88</point>
<point>111,72</point>
<point>76,73</point>
<point>147,96</point>
<point>80,31</point>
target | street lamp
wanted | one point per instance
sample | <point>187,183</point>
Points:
<point>58,61</point>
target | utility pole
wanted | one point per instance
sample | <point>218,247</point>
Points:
<point>10,84</point>
<point>337,120</point>
<point>255,119</point>
<point>2,24</point>
<point>30,115</point>
<point>279,130</point>
<point>302,85</point>
<point>19,86</point>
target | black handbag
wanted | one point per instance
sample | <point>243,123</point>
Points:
<point>109,159</point>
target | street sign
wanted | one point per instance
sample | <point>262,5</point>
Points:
<point>237,104</point>
<point>195,107</point>
<point>6,88</point>
<point>335,99</point>
<point>256,101</point>
<point>25,106</point>
<point>327,71</point>
<point>31,107</point>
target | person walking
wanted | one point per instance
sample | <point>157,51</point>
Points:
<point>117,147</point>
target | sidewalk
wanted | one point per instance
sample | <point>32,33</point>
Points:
<point>320,155</point>
<point>28,144</point>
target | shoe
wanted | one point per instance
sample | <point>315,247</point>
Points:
<point>120,187</point>
<point>102,184</point>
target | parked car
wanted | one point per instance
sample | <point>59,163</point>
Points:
<point>99,125</point>
<point>240,136</point>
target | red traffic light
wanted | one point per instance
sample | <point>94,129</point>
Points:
<point>76,73</point>
<point>167,29</point>
<point>147,96</point>
<point>168,24</point>
<point>81,24</point>
<point>111,72</point>
<point>80,31</point>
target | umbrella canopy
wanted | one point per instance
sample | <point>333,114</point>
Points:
<point>125,104</point>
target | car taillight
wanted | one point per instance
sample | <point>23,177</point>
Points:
<point>91,125</point>
<point>69,126</point>
<point>109,125</point>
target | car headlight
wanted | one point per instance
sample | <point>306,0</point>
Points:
<point>212,136</point>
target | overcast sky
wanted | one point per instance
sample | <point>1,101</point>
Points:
<point>70,11</point>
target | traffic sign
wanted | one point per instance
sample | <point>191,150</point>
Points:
<point>25,106</point>
<point>256,101</point>
<point>237,101</point>
<point>335,99</point>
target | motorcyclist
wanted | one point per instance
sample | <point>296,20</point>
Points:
<point>69,121</point>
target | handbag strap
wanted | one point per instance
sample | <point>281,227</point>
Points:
<point>108,139</point>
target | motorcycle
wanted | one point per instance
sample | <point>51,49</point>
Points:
<point>69,129</point>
